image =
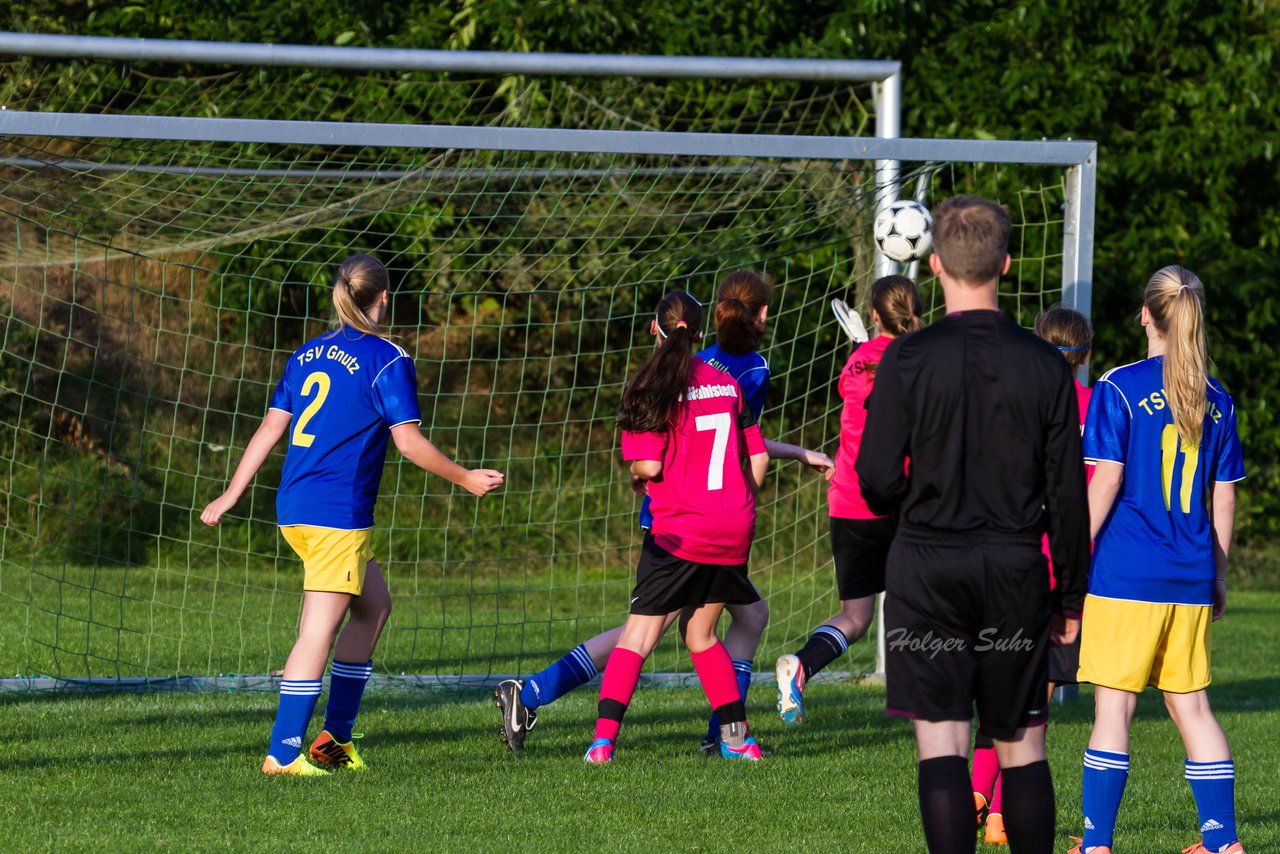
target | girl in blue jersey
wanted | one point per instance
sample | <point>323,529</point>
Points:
<point>342,396</point>
<point>741,312</point>
<point>1162,434</point>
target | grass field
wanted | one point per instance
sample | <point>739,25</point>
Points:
<point>132,773</point>
<point>236,612</point>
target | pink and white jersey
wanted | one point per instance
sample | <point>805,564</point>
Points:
<point>703,508</point>
<point>844,495</point>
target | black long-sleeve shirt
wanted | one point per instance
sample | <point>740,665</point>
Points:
<point>987,414</point>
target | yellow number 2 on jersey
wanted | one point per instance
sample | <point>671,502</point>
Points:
<point>321,380</point>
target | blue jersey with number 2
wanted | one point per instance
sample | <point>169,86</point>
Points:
<point>1157,544</point>
<point>750,371</point>
<point>345,391</point>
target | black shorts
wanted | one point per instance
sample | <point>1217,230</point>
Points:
<point>967,623</point>
<point>1064,663</point>
<point>666,583</point>
<point>860,548</point>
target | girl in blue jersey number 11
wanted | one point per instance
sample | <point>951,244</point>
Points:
<point>1162,433</point>
<point>342,396</point>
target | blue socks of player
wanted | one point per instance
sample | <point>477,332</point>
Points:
<point>825,645</point>
<point>1214,787</point>
<point>346,688</point>
<point>297,702</point>
<point>742,672</point>
<point>1212,783</point>
<point>573,671</point>
<point>1104,777</point>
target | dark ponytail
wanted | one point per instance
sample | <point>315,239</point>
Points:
<point>895,299</point>
<point>652,398</point>
<point>739,299</point>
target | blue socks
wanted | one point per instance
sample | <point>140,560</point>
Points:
<point>297,702</point>
<point>346,688</point>
<point>742,672</point>
<point>1104,777</point>
<point>1214,785</point>
<point>573,671</point>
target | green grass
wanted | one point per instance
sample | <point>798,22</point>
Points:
<point>94,772</point>
<point>236,612</point>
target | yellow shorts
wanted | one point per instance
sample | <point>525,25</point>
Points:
<point>333,560</point>
<point>1129,645</point>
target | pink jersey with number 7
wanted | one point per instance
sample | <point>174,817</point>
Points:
<point>703,508</point>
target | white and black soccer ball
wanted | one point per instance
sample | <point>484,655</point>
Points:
<point>904,231</point>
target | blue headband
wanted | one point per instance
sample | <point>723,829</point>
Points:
<point>1084,346</point>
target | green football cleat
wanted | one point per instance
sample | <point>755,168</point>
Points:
<point>299,767</point>
<point>336,755</point>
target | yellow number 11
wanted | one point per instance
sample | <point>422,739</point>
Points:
<point>1191,460</point>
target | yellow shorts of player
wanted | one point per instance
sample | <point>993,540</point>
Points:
<point>333,560</point>
<point>1129,645</point>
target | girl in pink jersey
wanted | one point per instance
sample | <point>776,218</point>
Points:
<point>740,316</point>
<point>1071,332</point>
<point>859,538</point>
<point>687,431</point>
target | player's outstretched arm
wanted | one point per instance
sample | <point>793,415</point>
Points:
<point>813,459</point>
<point>418,450</point>
<point>269,432</point>
<point>1223,502</point>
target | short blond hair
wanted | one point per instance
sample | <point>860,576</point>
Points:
<point>971,238</point>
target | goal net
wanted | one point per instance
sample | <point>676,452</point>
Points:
<point>156,273</point>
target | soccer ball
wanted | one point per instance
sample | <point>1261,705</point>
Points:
<point>904,231</point>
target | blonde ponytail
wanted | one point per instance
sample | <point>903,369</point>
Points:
<point>1175,300</point>
<point>359,283</point>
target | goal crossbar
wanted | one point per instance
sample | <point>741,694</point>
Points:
<point>1065,153</point>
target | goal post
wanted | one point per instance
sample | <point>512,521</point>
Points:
<point>156,271</point>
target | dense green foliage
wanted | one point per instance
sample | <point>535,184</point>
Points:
<point>180,771</point>
<point>1179,93</point>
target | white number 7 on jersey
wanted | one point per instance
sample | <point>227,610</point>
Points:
<point>720,422</point>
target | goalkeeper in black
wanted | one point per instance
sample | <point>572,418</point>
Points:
<point>973,438</point>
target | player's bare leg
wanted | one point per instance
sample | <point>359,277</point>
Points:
<point>368,615</point>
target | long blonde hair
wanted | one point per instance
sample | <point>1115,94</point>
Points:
<point>1175,300</point>
<point>359,283</point>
